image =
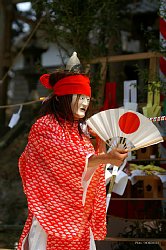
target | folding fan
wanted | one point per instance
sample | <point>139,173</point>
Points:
<point>125,129</point>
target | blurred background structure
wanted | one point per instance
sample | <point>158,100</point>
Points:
<point>119,41</point>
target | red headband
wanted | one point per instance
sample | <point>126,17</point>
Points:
<point>76,84</point>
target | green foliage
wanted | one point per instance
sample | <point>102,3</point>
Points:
<point>92,28</point>
<point>143,74</point>
<point>89,27</point>
<point>85,25</point>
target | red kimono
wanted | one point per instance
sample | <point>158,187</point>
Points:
<point>52,168</point>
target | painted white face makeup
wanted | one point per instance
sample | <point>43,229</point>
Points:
<point>79,109</point>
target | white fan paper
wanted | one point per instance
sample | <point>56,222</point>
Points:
<point>124,128</point>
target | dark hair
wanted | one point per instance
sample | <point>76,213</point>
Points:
<point>60,106</point>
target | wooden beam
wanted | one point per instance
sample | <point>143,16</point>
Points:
<point>129,57</point>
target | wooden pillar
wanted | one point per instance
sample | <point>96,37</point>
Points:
<point>153,68</point>
<point>2,31</point>
<point>103,72</point>
<point>5,55</point>
<point>98,85</point>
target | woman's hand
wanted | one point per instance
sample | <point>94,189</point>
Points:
<point>115,157</point>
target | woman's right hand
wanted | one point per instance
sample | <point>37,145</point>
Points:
<point>115,157</point>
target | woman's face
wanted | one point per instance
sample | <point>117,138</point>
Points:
<point>79,105</point>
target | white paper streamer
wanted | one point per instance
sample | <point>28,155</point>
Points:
<point>15,118</point>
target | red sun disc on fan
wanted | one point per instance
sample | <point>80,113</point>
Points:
<point>129,123</point>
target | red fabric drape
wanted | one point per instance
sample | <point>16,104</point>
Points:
<point>110,96</point>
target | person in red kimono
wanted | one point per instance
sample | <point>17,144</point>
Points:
<point>63,177</point>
